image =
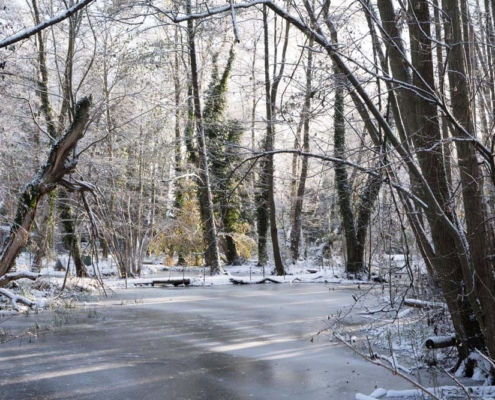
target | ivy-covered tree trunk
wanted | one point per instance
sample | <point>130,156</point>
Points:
<point>206,200</point>
<point>178,161</point>
<point>354,249</point>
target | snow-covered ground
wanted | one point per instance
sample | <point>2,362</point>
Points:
<point>393,332</point>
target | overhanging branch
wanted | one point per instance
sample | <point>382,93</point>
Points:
<point>46,24</point>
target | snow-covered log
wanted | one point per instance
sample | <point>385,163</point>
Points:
<point>172,281</point>
<point>13,276</point>
<point>15,299</point>
<point>59,163</point>
<point>440,342</point>
<point>243,282</point>
<point>424,304</point>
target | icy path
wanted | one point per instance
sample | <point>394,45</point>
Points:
<point>220,342</point>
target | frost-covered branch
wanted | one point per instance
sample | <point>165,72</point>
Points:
<point>323,157</point>
<point>234,22</point>
<point>391,369</point>
<point>45,24</point>
<point>15,298</point>
<point>424,304</point>
<point>13,276</point>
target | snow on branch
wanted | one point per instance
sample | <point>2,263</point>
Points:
<point>214,11</point>
<point>424,304</point>
<point>392,368</point>
<point>45,24</point>
<point>15,298</point>
<point>13,276</point>
<point>372,172</point>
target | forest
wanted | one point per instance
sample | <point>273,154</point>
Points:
<point>282,131</point>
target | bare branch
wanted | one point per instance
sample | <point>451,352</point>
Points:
<point>391,369</point>
<point>323,157</point>
<point>234,22</point>
<point>38,28</point>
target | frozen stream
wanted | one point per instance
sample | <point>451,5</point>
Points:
<point>220,342</point>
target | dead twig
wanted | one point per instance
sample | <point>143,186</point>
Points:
<point>393,370</point>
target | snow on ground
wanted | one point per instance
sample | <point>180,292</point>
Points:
<point>442,392</point>
<point>387,326</point>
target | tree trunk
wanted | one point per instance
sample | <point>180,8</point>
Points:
<point>262,214</point>
<point>206,201</point>
<point>424,117</point>
<point>480,283</point>
<point>67,109</point>
<point>52,173</point>
<point>271,91</point>
<point>301,187</point>
<point>355,229</point>
<point>70,234</point>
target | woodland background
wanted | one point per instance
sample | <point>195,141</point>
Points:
<point>275,130</point>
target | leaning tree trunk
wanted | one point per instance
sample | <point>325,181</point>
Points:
<point>480,282</point>
<point>48,177</point>
<point>66,211</point>
<point>424,117</point>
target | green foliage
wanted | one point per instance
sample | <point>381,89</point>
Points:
<point>216,93</point>
<point>183,235</point>
<point>223,138</point>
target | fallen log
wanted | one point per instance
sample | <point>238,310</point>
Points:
<point>441,342</point>
<point>300,280</point>
<point>13,276</point>
<point>243,282</point>
<point>424,304</point>
<point>175,282</point>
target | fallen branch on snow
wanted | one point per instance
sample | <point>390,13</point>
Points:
<point>300,280</point>
<point>424,304</point>
<point>15,298</point>
<point>243,282</point>
<point>13,276</point>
